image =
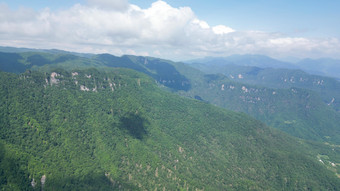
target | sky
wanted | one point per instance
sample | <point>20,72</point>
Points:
<point>175,29</point>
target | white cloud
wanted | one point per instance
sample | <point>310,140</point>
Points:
<point>118,27</point>
<point>202,24</point>
<point>221,29</point>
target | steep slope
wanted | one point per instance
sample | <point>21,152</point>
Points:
<point>20,62</point>
<point>91,130</point>
<point>161,70</point>
<point>296,111</point>
<point>300,113</point>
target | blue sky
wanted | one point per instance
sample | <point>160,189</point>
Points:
<point>295,17</point>
<point>318,18</point>
<point>298,28</point>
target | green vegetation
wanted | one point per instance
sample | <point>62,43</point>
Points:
<point>95,130</point>
<point>300,104</point>
<point>161,70</point>
<point>327,88</point>
<point>79,128</point>
<point>299,112</point>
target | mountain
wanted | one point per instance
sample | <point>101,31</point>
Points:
<point>299,112</point>
<point>245,60</point>
<point>116,129</point>
<point>7,49</point>
<point>324,66</point>
<point>161,70</point>
<point>20,62</point>
<point>296,111</point>
<point>290,111</point>
<point>328,88</point>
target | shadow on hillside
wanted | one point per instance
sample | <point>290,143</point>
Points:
<point>92,181</point>
<point>163,72</point>
<point>12,175</point>
<point>135,124</point>
<point>9,62</point>
<point>168,75</point>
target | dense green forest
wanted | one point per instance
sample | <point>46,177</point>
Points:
<point>293,101</point>
<point>73,121</point>
<point>297,111</point>
<point>95,130</point>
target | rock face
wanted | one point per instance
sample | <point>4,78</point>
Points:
<point>84,88</point>
<point>43,180</point>
<point>53,79</point>
<point>33,183</point>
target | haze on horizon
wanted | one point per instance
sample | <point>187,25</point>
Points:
<point>175,29</point>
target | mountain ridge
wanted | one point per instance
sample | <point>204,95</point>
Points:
<point>79,132</point>
<point>189,82</point>
<point>327,67</point>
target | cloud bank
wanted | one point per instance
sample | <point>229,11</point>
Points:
<point>161,30</point>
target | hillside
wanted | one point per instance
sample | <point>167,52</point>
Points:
<point>161,70</point>
<point>299,112</point>
<point>328,88</point>
<point>92,130</point>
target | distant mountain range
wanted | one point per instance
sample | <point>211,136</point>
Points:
<point>52,51</point>
<point>325,66</point>
<point>245,60</point>
<point>328,88</point>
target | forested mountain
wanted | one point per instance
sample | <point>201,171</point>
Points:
<point>297,111</point>
<point>75,122</point>
<point>161,70</point>
<point>6,49</point>
<point>328,88</point>
<point>92,130</point>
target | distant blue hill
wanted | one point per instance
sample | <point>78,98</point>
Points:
<point>324,66</point>
<point>246,60</point>
<point>51,51</point>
